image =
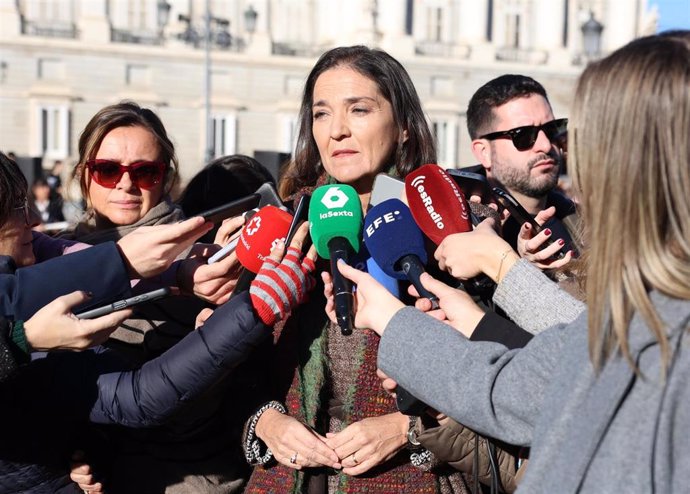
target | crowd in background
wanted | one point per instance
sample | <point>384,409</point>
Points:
<point>566,370</point>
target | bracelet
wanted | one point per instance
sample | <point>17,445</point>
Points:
<point>252,444</point>
<point>500,266</point>
<point>419,459</point>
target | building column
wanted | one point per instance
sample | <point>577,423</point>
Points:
<point>10,22</point>
<point>391,23</point>
<point>94,25</point>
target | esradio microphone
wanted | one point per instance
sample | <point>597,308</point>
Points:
<point>439,207</point>
<point>335,226</point>
<point>396,243</point>
<point>268,226</point>
<point>437,204</point>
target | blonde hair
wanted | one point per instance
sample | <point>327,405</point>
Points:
<point>630,153</point>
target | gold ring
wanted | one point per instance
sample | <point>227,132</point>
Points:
<point>293,458</point>
<point>354,458</point>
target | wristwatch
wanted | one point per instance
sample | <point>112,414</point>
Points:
<point>413,443</point>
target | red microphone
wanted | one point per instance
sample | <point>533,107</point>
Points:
<point>437,204</point>
<point>268,226</point>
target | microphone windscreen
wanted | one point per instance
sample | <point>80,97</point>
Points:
<point>437,204</point>
<point>335,211</point>
<point>390,234</point>
<point>269,225</point>
<point>482,212</point>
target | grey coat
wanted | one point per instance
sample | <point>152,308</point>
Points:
<point>612,432</point>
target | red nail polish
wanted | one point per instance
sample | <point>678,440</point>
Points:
<point>547,232</point>
<point>561,241</point>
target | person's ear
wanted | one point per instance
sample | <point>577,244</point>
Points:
<point>481,149</point>
<point>405,136</point>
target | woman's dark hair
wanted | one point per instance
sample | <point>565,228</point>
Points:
<point>395,85</point>
<point>124,114</point>
<point>13,187</point>
<point>222,180</point>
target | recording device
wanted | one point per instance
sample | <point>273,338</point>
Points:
<point>472,184</point>
<point>301,214</point>
<point>521,215</point>
<point>335,226</point>
<point>259,236</point>
<point>396,244</point>
<point>266,194</point>
<point>385,187</point>
<point>123,304</point>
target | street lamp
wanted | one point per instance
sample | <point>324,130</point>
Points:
<point>591,36</point>
<point>163,9</point>
<point>250,16</point>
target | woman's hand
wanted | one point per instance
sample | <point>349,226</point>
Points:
<point>371,441</point>
<point>531,247</point>
<point>82,475</point>
<point>289,439</point>
<point>466,255</point>
<point>54,327</point>
<point>149,250</point>
<point>456,307</point>
<point>374,305</point>
<point>213,283</point>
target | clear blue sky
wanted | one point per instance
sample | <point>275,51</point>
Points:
<point>673,14</point>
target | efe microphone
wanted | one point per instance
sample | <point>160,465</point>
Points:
<point>396,244</point>
<point>335,226</point>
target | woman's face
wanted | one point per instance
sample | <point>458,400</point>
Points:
<point>15,236</point>
<point>353,127</point>
<point>126,203</point>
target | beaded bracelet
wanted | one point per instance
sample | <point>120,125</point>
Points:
<point>252,444</point>
<point>419,459</point>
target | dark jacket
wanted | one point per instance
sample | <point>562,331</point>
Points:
<point>58,394</point>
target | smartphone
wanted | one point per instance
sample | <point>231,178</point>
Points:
<point>233,208</point>
<point>229,248</point>
<point>386,187</point>
<point>268,195</point>
<point>521,215</point>
<point>472,184</point>
<point>301,214</point>
<point>128,302</point>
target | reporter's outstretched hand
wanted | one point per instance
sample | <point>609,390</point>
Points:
<point>375,306</point>
<point>54,327</point>
<point>456,307</point>
<point>466,255</point>
<point>149,250</point>
<point>531,247</point>
<point>213,283</point>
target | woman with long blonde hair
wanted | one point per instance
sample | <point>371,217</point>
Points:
<point>603,401</point>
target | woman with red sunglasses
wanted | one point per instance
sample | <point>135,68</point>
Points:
<point>126,170</point>
<point>127,167</point>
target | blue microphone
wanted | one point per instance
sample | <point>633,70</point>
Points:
<point>396,243</point>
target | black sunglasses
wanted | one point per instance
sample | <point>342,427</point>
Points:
<point>524,137</point>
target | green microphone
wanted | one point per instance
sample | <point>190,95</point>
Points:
<point>335,226</point>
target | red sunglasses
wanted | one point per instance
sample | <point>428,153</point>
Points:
<point>143,174</point>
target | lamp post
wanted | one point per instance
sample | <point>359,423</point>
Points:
<point>591,36</point>
<point>163,9</point>
<point>250,16</point>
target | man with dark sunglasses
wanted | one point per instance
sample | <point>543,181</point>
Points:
<point>519,144</point>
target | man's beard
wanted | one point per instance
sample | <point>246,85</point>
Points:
<point>520,180</point>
